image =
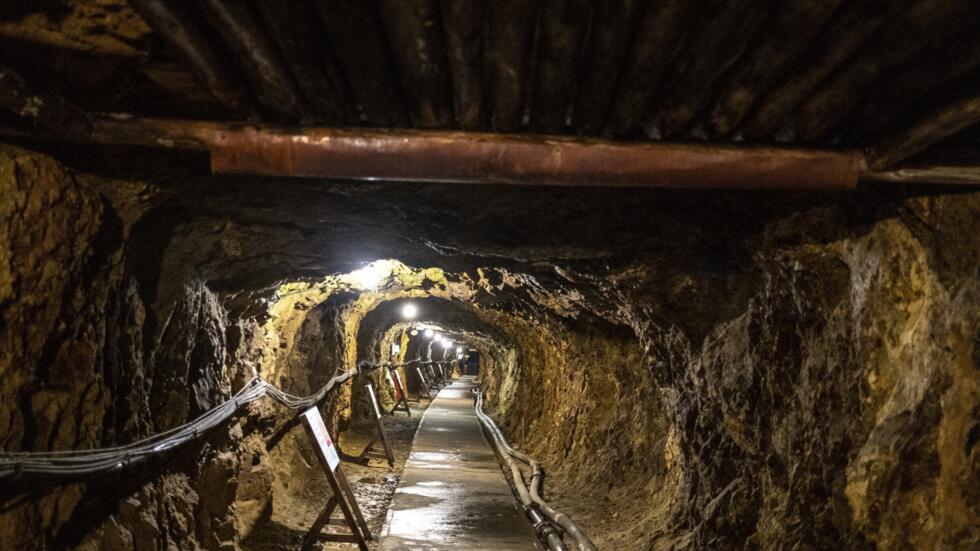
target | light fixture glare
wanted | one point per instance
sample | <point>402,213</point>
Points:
<point>409,311</point>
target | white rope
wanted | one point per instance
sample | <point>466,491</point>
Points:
<point>85,462</point>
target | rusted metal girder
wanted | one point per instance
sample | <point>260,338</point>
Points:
<point>486,158</point>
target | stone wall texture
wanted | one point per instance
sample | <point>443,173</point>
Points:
<point>693,371</point>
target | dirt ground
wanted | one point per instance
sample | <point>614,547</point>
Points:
<point>374,485</point>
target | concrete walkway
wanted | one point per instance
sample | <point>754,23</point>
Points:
<point>453,494</point>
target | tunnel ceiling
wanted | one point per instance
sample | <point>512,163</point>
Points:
<point>248,235</point>
<point>827,72</point>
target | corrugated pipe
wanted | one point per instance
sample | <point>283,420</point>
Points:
<point>530,496</point>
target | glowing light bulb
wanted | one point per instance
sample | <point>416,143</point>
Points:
<point>369,277</point>
<point>409,311</point>
<point>429,333</point>
<point>459,349</point>
<point>447,343</point>
<point>414,332</point>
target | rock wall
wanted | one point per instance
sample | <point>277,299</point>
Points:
<point>693,371</point>
<point>825,396</point>
<point>103,343</point>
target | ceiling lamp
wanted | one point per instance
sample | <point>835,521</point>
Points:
<point>369,277</point>
<point>409,311</point>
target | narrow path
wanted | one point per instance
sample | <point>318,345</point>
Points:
<point>452,494</point>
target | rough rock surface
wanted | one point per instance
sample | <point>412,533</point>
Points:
<point>702,371</point>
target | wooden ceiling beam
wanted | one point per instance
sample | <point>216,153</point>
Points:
<point>832,48</point>
<point>563,26</point>
<point>511,27</point>
<point>294,27</point>
<point>610,36</point>
<point>892,46</point>
<point>658,40</point>
<point>171,21</point>
<point>414,32</point>
<point>927,130</point>
<point>786,37</point>
<point>250,46</point>
<point>53,114</point>
<point>355,31</point>
<point>725,31</point>
<point>939,69</point>
<point>462,21</point>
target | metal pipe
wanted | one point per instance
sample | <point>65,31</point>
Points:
<point>486,158</point>
<point>567,524</point>
<point>528,503</point>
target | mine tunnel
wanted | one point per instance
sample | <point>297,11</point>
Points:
<point>452,274</point>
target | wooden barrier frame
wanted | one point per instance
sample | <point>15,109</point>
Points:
<point>434,378</point>
<point>369,452</point>
<point>401,396</point>
<point>425,385</point>
<point>343,495</point>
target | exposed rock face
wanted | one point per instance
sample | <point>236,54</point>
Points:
<point>693,370</point>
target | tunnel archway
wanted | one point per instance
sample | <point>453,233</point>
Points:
<point>738,310</point>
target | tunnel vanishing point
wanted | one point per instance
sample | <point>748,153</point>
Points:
<point>556,274</point>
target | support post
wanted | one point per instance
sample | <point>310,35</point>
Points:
<point>425,385</point>
<point>401,397</point>
<point>369,452</point>
<point>343,495</point>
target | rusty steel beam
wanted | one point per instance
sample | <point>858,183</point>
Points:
<point>485,158</point>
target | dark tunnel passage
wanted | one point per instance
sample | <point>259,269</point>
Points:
<point>685,367</point>
<point>709,280</point>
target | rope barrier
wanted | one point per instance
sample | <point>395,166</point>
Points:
<point>103,460</point>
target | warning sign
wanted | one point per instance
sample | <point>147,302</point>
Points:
<point>319,430</point>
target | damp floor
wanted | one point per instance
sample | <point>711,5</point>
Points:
<point>453,494</point>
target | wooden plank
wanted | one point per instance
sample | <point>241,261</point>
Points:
<point>423,383</point>
<point>414,33</point>
<point>253,50</point>
<point>172,21</point>
<point>563,25</point>
<point>508,56</point>
<point>296,30</point>
<point>838,42</point>
<point>321,522</point>
<point>792,27</point>
<point>726,28</point>
<point>52,113</point>
<point>356,34</point>
<point>613,25</point>
<point>941,68</point>
<point>343,495</point>
<point>462,21</point>
<point>894,45</point>
<point>929,129</point>
<point>401,394</point>
<point>661,35</point>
